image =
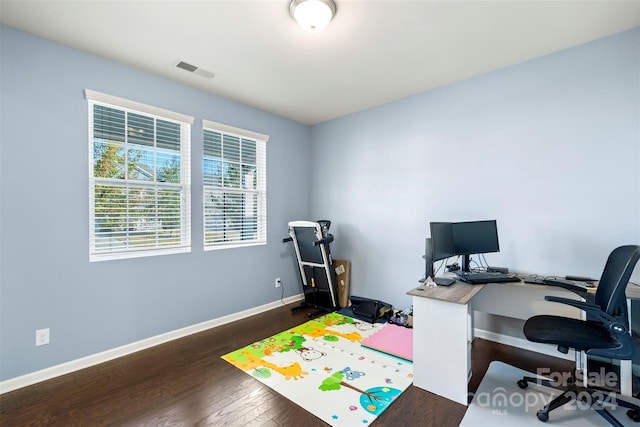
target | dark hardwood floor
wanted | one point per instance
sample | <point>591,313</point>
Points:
<point>186,383</point>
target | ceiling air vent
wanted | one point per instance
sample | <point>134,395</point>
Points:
<point>196,70</point>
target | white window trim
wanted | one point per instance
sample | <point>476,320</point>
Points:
<point>126,104</point>
<point>116,101</point>
<point>214,126</point>
<point>243,133</point>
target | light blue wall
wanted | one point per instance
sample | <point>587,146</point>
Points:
<point>45,276</point>
<point>550,148</point>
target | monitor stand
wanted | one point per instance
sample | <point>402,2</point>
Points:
<point>465,263</point>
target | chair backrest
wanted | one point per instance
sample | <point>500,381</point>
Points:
<point>610,295</point>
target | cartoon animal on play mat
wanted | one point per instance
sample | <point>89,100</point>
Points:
<point>363,326</point>
<point>262,368</point>
<point>352,375</point>
<point>308,353</point>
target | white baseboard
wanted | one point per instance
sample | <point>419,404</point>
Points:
<point>546,349</point>
<point>105,356</point>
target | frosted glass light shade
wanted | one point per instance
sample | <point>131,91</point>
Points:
<point>312,15</point>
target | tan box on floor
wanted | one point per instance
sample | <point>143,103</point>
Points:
<point>343,272</point>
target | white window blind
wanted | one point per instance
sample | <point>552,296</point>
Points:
<point>139,179</point>
<point>234,186</point>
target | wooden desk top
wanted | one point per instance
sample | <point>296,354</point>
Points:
<point>462,293</point>
<point>633,291</point>
<point>459,292</point>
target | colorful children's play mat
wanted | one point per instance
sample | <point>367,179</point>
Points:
<point>321,366</point>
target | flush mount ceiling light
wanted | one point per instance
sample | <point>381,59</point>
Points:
<point>312,15</point>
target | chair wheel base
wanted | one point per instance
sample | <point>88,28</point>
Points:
<point>634,415</point>
<point>543,415</point>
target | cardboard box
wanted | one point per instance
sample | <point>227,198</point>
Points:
<point>343,272</point>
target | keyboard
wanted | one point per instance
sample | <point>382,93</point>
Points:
<point>481,278</point>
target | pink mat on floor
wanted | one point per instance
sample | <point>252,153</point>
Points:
<point>392,339</point>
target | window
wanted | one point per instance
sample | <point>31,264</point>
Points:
<point>235,187</point>
<point>139,179</point>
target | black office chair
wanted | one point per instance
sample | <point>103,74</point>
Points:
<point>605,333</point>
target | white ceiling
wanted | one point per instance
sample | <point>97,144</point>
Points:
<point>373,52</point>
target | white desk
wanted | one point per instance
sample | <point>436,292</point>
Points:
<point>443,328</point>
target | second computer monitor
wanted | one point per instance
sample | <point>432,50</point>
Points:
<point>441,240</point>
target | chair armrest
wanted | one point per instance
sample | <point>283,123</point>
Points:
<point>588,307</point>
<point>582,305</point>
<point>578,290</point>
<point>626,349</point>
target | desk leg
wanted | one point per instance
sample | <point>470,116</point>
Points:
<point>626,378</point>
<point>441,362</point>
<point>626,366</point>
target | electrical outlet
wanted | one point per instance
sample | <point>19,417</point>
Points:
<point>278,282</point>
<point>42,337</point>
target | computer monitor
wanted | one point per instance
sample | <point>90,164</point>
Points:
<point>474,237</point>
<point>463,238</point>
<point>441,240</point>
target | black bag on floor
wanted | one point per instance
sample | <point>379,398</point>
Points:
<point>370,310</point>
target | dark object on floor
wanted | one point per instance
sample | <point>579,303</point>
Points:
<point>370,310</point>
<point>403,318</point>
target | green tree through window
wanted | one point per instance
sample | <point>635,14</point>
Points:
<point>139,183</point>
